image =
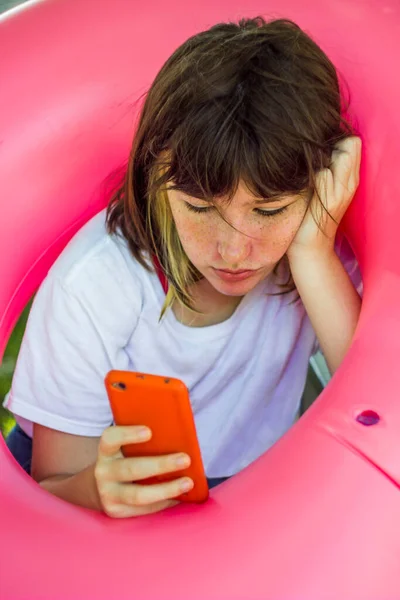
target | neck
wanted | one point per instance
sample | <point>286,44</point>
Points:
<point>212,306</point>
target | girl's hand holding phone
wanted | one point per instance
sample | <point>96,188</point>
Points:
<point>118,479</point>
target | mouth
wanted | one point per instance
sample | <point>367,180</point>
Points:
<point>229,275</point>
<point>235,272</point>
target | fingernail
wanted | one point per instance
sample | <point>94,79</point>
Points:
<point>182,460</point>
<point>186,485</point>
<point>144,433</point>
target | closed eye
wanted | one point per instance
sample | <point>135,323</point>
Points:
<point>270,213</point>
<point>198,209</point>
<point>259,211</point>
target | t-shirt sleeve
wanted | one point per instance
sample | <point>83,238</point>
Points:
<point>349,261</point>
<point>65,354</point>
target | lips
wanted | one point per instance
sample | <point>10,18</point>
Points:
<point>235,272</point>
<point>230,276</point>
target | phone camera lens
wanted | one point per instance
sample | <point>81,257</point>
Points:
<point>119,385</point>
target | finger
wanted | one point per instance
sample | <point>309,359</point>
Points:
<point>324,185</point>
<point>345,166</point>
<point>357,162</point>
<point>113,438</point>
<point>122,511</point>
<point>352,145</point>
<point>354,149</point>
<point>138,468</point>
<point>340,167</point>
<point>142,495</point>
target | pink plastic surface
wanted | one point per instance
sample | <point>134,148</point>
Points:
<point>318,516</point>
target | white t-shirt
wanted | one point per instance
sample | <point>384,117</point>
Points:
<point>98,309</point>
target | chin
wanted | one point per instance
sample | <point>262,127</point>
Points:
<point>240,288</point>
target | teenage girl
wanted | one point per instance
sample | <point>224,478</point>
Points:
<point>241,170</point>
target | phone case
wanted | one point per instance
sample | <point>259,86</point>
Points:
<point>163,405</point>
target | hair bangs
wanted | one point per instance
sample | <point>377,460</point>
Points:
<point>229,149</point>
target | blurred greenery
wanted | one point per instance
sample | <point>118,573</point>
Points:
<point>8,4</point>
<point>7,369</point>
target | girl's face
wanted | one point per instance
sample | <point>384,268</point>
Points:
<point>235,254</point>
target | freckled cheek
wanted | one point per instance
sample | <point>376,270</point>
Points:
<point>279,236</point>
<point>196,237</point>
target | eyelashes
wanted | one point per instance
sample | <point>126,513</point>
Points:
<point>259,211</point>
<point>270,213</point>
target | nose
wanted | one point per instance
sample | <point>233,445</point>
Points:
<point>233,246</point>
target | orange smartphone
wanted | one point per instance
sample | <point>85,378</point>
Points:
<point>163,405</point>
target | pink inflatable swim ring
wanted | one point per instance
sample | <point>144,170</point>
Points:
<point>316,517</point>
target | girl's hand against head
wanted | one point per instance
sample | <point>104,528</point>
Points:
<point>118,478</point>
<point>336,186</point>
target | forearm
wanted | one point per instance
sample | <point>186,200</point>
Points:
<point>77,489</point>
<point>331,301</point>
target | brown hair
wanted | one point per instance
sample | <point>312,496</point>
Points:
<point>255,101</point>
